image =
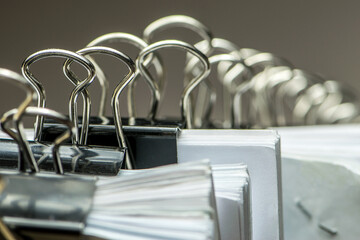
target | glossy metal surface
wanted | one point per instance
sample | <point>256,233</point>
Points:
<point>185,104</point>
<point>120,37</point>
<point>118,90</point>
<point>25,68</point>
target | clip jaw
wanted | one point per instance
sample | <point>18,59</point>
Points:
<point>45,205</point>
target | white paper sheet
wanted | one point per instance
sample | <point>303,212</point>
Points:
<point>260,151</point>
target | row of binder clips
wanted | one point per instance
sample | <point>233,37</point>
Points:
<point>99,177</point>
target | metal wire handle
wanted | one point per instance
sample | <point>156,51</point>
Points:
<point>118,90</point>
<point>8,117</point>
<point>185,108</point>
<point>186,22</point>
<point>182,21</point>
<point>229,78</point>
<point>25,68</point>
<point>20,81</point>
<point>223,71</point>
<point>120,37</point>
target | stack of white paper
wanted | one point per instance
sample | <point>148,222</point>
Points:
<point>172,202</point>
<point>260,151</point>
<point>232,191</point>
<point>238,219</point>
<point>321,181</point>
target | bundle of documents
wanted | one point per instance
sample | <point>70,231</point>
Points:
<point>232,191</point>
<point>171,202</point>
<point>259,150</point>
<point>321,181</point>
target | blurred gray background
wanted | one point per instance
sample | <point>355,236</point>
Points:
<point>319,36</point>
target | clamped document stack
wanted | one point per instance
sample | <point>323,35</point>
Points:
<point>96,176</point>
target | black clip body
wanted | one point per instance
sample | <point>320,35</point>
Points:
<point>150,145</point>
<point>75,159</point>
